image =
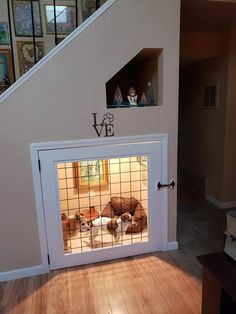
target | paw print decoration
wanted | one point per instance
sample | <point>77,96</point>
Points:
<point>108,118</point>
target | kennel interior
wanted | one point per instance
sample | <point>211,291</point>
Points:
<point>91,189</point>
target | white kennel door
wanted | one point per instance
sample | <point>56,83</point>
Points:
<point>146,155</point>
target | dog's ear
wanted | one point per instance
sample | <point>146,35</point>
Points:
<point>130,217</point>
<point>82,215</point>
<point>112,225</point>
<point>64,216</point>
<point>126,217</point>
<point>123,218</point>
<point>78,215</point>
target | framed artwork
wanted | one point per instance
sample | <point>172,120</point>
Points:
<point>59,39</point>
<point>91,173</point>
<point>25,53</point>
<point>4,34</point>
<point>89,7</point>
<point>23,18</point>
<point>6,69</point>
<point>65,19</point>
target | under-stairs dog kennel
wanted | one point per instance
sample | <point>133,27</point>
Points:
<point>102,131</point>
<point>102,201</point>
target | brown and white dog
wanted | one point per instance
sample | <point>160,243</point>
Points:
<point>71,225</point>
<point>116,226</point>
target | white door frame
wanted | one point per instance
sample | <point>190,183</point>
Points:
<point>36,147</point>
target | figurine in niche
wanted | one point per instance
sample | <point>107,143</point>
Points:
<point>132,96</point>
<point>117,99</point>
<point>143,101</point>
<point>150,94</point>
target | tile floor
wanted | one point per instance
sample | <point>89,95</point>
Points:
<point>200,231</point>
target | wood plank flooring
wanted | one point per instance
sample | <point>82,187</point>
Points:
<point>151,283</point>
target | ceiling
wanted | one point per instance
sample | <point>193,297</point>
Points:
<point>207,16</point>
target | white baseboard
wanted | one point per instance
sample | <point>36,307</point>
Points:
<point>23,272</point>
<point>42,269</point>
<point>171,246</point>
<point>219,204</point>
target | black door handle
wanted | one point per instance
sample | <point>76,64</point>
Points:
<point>170,185</point>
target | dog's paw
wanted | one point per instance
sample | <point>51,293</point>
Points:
<point>68,251</point>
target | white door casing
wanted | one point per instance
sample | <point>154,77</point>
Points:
<point>155,147</point>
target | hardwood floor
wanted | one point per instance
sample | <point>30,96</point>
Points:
<point>151,283</point>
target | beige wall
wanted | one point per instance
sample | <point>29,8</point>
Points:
<point>201,131</point>
<point>229,190</point>
<point>198,46</point>
<point>57,102</point>
<point>207,137</point>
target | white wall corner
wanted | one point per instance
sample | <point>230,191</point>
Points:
<point>219,204</point>
<point>23,272</point>
<point>171,246</point>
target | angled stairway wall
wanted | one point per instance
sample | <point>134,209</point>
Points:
<point>58,100</point>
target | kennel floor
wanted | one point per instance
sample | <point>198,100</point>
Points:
<point>82,243</point>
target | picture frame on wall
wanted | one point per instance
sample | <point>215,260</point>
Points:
<point>89,7</point>
<point>22,15</point>
<point>91,173</point>
<point>4,34</point>
<point>25,53</point>
<point>59,40</point>
<point>65,19</point>
<point>6,69</point>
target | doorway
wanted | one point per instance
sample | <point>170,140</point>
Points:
<point>204,65</point>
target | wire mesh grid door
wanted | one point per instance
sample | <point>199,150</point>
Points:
<point>103,203</point>
<point>99,208</point>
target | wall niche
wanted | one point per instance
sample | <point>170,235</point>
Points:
<point>138,83</point>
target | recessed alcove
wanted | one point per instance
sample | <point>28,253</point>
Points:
<point>143,73</point>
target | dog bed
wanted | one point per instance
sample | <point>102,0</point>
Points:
<point>119,205</point>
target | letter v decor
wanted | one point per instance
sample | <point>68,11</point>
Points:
<point>105,128</point>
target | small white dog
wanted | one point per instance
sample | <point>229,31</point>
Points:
<point>116,226</point>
